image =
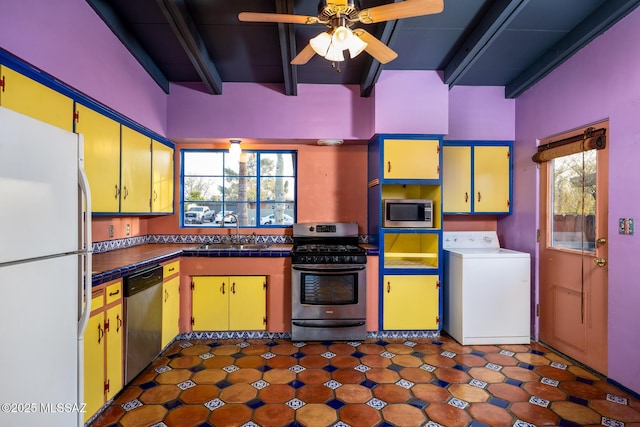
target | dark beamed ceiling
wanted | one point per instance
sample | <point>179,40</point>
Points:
<point>473,42</point>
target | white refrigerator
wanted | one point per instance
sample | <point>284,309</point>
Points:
<point>45,273</point>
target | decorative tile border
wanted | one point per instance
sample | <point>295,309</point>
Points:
<point>220,335</point>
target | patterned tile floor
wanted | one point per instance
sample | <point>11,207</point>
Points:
<point>373,383</point>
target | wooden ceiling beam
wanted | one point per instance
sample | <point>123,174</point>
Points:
<point>109,16</point>
<point>191,41</point>
<point>287,35</point>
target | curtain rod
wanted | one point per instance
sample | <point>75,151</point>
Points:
<point>588,133</point>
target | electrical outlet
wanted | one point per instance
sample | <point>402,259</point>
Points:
<point>111,230</point>
<point>625,226</point>
<point>128,229</point>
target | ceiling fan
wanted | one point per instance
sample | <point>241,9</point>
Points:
<point>340,16</point>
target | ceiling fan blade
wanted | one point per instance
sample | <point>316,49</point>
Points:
<point>304,56</point>
<point>375,47</point>
<point>277,18</point>
<point>403,9</point>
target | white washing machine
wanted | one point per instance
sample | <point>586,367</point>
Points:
<point>487,290</point>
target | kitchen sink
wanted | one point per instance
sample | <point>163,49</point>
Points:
<point>234,246</point>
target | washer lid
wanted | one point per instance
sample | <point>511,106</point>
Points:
<point>470,239</point>
<point>487,253</point>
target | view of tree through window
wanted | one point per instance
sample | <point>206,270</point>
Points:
<point>255,190</point>
<point>574,201</point>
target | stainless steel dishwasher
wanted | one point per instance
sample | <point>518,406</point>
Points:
<point>143,321</point>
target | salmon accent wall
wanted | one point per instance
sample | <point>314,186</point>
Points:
<point>100,227</point>
<point>332,186</point>
<point>470,223</point>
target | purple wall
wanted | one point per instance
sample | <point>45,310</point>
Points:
<point>66,39</point>
<point>601,81</point>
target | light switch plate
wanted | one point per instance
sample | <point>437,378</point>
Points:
<point>625,226</point>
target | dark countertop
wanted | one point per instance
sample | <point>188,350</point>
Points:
<point>118,263</point>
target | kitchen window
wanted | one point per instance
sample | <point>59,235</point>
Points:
<point>258,189</point>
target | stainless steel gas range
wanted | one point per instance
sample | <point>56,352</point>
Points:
<point>328,283</point>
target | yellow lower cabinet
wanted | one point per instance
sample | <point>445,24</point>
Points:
<point>94,358</point>
<point>170,309</point>
<point>114,343</point>
<point>103,348</point>
<point>228,303</point>
<point>411,302</point>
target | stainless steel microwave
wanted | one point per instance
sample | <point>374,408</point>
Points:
<point>408,213</point>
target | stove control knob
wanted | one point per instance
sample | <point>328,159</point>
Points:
<point>311,228</point>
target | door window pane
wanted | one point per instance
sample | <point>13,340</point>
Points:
<point>573,197</point>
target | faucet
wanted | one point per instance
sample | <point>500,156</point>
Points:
<point>237,224</point>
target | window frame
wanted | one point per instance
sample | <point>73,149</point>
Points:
<point>258,177</point>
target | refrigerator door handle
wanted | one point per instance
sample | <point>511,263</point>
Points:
<point>86,245</point>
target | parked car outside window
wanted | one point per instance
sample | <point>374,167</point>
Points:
<point>271,219</point>
<point>227,220</point>
<point>196,215</point>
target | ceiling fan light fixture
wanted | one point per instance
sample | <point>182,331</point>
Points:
<point>341,37</point>
<point>334,54</point>
<point>321,43</point>
<point>357,45</point>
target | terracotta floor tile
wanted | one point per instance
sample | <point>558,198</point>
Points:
<point>143,416</point>
<point>430,393</point>
<point>447,415</point>
<point>343,361</point>
<point>403,415</point>
<point>468,393</point>
<point>314,376</point>
<point>508,392</point>
<point>580,389</point>
<point>273,415</point>
<point>314,393</point>
<point>416,375</point>
<point>159,394</point>
<point>359,415</point>
<point>255,381</point>
<point>380,375</point>
<point>244,376</point>
<point>174,376</point>
<point>354,393</point>
<point>199,394</point>
<point>316,415</point>
<point>489,414</point>
<point>452,375</point>
<point>277,393</point>
<point>279,376</point>
<point>348,376</point>
<point>534,414</point>
<point>616,411</point>
<point>187,416</point>
<point>233,414</point>
<point>487,375</point>
<point>544,391</point>
<point>313,361</point>
<point>407,360</point>
<point>391,393</point>
<point>574,412</point>
<point>238,393</point>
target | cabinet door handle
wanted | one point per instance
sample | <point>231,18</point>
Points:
<point>119,320</point>
<point>166,295</point>
<point>100,333</point>
<point>114,293</point>
<point>233,288</point>
<point>222,288</point>
<point>126,192</point>
<point>155,195</point>
<point>478,196</point>
<point>388,287</point>
<point>388,166</point>
<point>117,191</point>
<point>466,197</point>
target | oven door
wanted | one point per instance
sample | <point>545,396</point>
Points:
<point>328,291</point>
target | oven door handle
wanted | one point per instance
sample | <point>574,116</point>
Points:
<point>340,324</point>
<point>331,268</point>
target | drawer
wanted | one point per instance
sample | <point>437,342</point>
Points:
<point>170,269</point>
<point>97,299</point>
<point>114,292</point>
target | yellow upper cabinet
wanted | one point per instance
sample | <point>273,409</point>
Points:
<point>491,179</point>
<point>411,159</point>
<point>162,178</point>
<point>477,178</point>
<point>20,93</point>
<point>135,195</point>
<point>456,178</point>
<point>101,157</point>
